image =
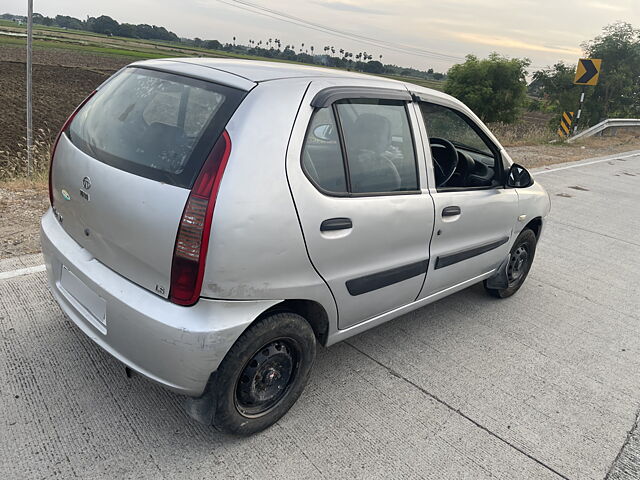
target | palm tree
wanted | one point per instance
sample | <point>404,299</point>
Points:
<point>234,41</point>
<point>381,58</point>
<point>311,49</point>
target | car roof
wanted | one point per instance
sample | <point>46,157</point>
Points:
<point>264,71</point>
<point>249,72</point>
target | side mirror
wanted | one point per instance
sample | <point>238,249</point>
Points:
<point>518,177</point>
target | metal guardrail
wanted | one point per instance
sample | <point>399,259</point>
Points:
<point>609,123</point>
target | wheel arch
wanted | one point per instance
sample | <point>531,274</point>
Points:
<point>312,311</point>
<point>535,224</point>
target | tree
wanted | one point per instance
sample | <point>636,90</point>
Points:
<point>495,88</point>
<point>618,91</point>
<point>373,66</point>
<point>556,86</point>
<point>213,45</point>
<point>106,25</point>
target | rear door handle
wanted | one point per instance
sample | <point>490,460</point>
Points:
<point>451,211</point>
<point>340,223</point>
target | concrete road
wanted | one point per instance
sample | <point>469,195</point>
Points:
<point>543,385</point>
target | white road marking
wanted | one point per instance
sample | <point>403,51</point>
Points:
<point>22,271</point>
<point>582,164</point>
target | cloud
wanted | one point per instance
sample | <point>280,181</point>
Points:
<point>606,6</point>
<point>350,7</point>
<point>506,42</point>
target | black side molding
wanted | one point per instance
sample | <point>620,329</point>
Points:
<point>326,97</point>
<point>368,283</point>
<point>447,260</point>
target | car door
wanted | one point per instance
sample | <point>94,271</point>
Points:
<point>354,175</point>
<point>474,213</point>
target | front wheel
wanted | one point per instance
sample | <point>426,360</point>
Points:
<point>520,260</point>
<point>264,373</point>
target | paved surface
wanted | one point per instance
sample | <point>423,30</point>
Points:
<point>543,385</point>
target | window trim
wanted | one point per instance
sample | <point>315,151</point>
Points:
<point>380,95</point>
<point>498,162</point>
<point>328,96</point>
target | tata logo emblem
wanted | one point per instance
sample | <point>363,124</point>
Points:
<point>86,185</point>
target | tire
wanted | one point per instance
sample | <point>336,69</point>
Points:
<point>520,261</point>
<point>263,374</point>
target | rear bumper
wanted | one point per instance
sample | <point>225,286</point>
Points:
<point>178,347</point>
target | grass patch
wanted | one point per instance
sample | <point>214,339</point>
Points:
<point>14,164</point>
<point>522,133</point>
<point>80,47</point>
<point>423,82</point>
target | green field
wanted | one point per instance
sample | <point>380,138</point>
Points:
<point>90,42</point>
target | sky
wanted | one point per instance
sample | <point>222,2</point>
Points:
<point>422,34</point>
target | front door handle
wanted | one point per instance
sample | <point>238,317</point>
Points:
<point>451,211</point>
<point>340,223</point>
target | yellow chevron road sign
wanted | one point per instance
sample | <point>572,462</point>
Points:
<point>588,71</point>
<point>565,124</point>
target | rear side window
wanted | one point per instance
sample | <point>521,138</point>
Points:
<point>379,146</point>
<point>362,146</point>
<point>154,124</point>
<point>322,156</point>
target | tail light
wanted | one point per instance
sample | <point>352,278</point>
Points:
<point>192,241</point>
<point>55,144</point>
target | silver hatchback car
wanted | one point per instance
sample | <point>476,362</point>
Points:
<point>212,221</point>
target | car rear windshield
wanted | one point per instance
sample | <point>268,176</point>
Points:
<point>154,124</point>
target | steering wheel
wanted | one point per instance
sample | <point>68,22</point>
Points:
<point>445,162</point>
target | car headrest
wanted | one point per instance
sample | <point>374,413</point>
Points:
<point>370,132</point>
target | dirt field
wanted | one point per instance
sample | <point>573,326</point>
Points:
<point>61,79</point>
<point>22,203</point>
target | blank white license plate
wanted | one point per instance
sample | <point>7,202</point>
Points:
<point>87,298</point>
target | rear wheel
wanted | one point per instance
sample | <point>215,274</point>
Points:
<point>520,260</point>
<point>264,373</point>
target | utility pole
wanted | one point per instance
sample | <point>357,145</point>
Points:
<point>575,124</point>
<point>29,82</point>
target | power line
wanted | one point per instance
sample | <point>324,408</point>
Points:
<point>361,37</point>
<point>298,21</point>
<point>257,9</point>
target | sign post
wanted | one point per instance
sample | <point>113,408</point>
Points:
<point>587,73</point>
<point>29,83</point>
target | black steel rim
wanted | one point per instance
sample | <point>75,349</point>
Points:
<point>267,377</point>
<point>518,264</point>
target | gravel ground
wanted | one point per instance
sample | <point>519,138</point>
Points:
<point>21,206</point>
<point>533,156</point>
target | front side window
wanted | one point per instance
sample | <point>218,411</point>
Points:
<point>362,146</point>
<point>462,156</point>
<point>154,124</point>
